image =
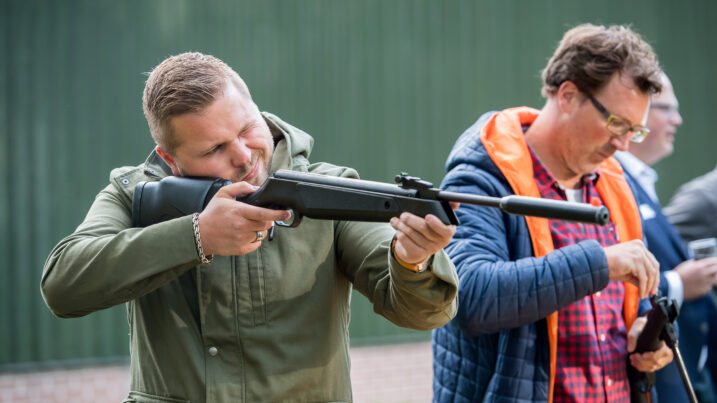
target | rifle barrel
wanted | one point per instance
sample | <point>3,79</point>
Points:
<point>521,205</point>
<point>537,207</point>
<point>469,198</point>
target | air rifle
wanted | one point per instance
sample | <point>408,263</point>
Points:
<point>334,198</point>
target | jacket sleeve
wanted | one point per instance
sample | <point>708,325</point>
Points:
<point>421,301</point>
<point>105,262</point>
<point>693,212</point>
<point>501,285</point>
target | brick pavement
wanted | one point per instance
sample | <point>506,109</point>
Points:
<point>392,373</point>
<point>87,385</point>
<point>397,373</point>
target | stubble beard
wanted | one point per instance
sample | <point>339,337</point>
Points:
<point>262,170</point>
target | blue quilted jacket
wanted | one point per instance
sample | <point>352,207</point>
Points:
<point>497,347</point>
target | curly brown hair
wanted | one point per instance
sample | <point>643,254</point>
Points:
<point>589,55</point>
<point>184,83</point>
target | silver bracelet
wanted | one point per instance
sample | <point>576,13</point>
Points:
<point>198,240</point>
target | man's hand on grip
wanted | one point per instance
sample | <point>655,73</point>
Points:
<point>648,361</point>
<point>229,227</point>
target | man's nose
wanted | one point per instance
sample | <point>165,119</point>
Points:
<point>240,154</point>
<point>622,143</point>
<point>676,118</point>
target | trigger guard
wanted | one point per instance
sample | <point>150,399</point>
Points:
<point>296,220</point>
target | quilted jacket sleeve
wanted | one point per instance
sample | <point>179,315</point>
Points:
<point>501,285</point>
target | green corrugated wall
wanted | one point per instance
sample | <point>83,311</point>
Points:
<point>383,85</point>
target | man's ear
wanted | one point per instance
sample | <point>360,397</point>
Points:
<point>568,97</point>
<point>169,160</point>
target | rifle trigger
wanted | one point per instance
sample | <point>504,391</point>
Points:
<point>296,220</point>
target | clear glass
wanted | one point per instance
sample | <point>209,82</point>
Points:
<point>702,248</point>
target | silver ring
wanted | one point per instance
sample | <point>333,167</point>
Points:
<point>259,236</point>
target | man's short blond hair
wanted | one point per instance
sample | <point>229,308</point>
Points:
<point>589,55</point>
<point>184,83</point>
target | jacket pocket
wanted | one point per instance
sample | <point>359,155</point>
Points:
<point>141,397</point>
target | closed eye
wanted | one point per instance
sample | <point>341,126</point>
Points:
<point>214,149</point>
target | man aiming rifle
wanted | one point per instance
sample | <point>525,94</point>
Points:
<point>216,314</point>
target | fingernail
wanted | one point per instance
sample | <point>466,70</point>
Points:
<point>393,221</point>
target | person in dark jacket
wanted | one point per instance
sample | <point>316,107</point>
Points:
<point>693,212</point>
<point>684,280</point>
<point>547,309</point>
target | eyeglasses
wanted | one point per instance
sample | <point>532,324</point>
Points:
<point>618,126</point>
<point>667,108</point>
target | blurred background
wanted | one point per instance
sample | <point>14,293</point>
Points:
<point>382,85</point>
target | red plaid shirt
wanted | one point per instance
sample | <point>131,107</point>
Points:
<point>592,337</point>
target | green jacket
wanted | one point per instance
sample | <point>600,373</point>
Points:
<point>271,325</point>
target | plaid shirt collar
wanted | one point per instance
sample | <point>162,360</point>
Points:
<point>546,181</point>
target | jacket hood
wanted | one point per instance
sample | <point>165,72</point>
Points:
<point>292,145</point>
<point>469,151</point>
<point>469,148</point>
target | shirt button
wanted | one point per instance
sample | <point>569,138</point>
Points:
<point>597,294</point>
<point>602,337</point>
<point>213,351</point>
<point>609,382</point>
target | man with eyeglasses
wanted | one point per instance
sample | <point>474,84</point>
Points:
<point>548,310</point>
<point>682,279</point>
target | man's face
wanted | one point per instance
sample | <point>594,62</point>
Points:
<point>662,120</point>
<point>589,141</point>
<point>227,139</point>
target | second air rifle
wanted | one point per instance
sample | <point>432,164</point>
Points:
<point>334,198</point>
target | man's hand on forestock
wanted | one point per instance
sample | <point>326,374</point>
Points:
<point>632,262</point>
<point>417,239</point>
<point>649,361</point>
<point>228,227</point>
